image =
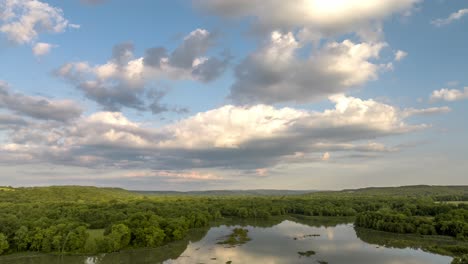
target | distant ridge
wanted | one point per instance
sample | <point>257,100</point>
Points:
<point>440,192</point>
<point>90,193</point>
<point>255,192</point>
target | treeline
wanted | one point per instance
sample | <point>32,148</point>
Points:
<point>91,220</point>
<point>65,227</point>
<point>436,220</point>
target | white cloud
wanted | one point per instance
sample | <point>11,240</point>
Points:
<point>278,73</point>
<point>400,55</point>
<point>322,16</point>
<point>446,94</point>
<point>230,126</point>
<point>23,20</point>
<point>41,48</point>
<point>111,118</point>
<point>452,18</point>
<point>230,137</point>
<point>74,26</point>
<point>287,69</point>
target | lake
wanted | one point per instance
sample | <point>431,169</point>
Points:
<point>278,241</point>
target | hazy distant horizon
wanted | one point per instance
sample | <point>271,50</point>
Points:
<point>234,190</point>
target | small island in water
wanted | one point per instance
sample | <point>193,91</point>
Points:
<point>238,237</point>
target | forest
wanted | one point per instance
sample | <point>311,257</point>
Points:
<point>77,220</point>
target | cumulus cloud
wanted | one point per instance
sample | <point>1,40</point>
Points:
<point>302,61</point>
<point>450,95</point>
<point>277,73</point>
<point>38,107</point>
<point>189,60</point>
<point>40,49</point>
<point>193,47</point>
<point>451,18</point>
<point>229,137</point>
<point>122,81</point>
<point>323,17</point>
<point>23,20</point>
<point>400,55</point>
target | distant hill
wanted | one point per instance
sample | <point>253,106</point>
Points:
<point>459,192</point>
<point>258,192</point>
<point>63,194</point>
<point>87,193</point>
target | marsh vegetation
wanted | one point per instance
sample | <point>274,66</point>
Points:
<point>238,237</point>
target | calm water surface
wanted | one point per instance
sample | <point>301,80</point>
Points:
<point>273,244</point>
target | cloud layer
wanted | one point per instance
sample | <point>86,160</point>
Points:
<point>230,137</point>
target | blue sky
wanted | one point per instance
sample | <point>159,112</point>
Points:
<point>210,94</point>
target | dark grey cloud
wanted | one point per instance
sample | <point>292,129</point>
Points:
<point>211,69</point>
<point>122,53</point>
<point>38,107</point>
<point>153,56</point>
<point>194,45</point>
<point>126,81</point>
<point>11,122</point>
<point>191,56</point>
<point>156,107</point>
<point>114,96</point>
<point>277,72</point>
<point>110,85</point>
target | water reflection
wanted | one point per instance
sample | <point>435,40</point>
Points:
<point>277,241</point>
<point>276,244</point>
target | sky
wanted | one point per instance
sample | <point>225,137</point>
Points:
<point>233,94</point>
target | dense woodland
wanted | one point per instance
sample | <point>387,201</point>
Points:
<point>73,220</point>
